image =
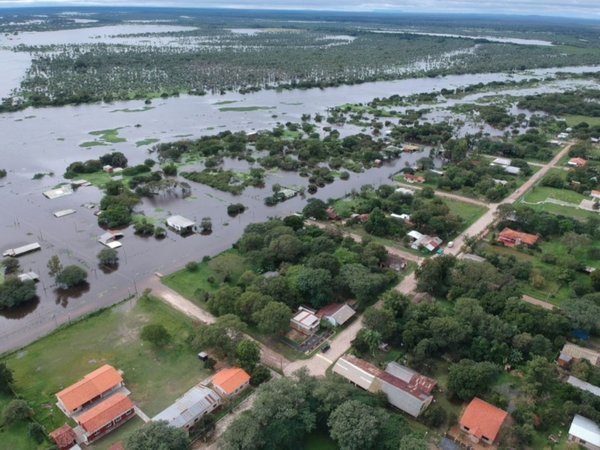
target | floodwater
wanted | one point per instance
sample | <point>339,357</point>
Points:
<point>47,140</point>
<point>501,40</point>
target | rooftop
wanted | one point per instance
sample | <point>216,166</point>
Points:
<point>577,352</point>
<point>63,436</point>
<point>229,380</point>
<point>180,222</point>
<point>306,318</point>
<point>483,419</point>
<point>194,403</point>
<point>586,430</point>
<point>105,412</point>
<point>513,235</point>
<point>91,386</point>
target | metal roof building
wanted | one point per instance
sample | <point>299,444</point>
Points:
<point>584,385</point>
<point>585,432</point>
<point>181,224</point>
<point>190,407</point>
<point>405,389</point>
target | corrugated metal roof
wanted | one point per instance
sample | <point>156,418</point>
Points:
<point>585,430</point>
<point>196,402</point>
<point>180,222</point>
<point>583,385</point>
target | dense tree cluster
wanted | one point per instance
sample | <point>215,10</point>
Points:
<point>584,102</point>
<point>287,410</point>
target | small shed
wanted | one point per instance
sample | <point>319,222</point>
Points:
<point>181,224</point>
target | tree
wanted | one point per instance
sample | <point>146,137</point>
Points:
<point>354,426</point>
<point>468,379</point>
<point>71,276</point>
<point>413,441</point>
<point>36,432</point>
<point>206,225</point>
<point>260,375</point>
<point>156,334</point>
<point>378,224</point>
<point>286,248</point>
<point>54,266</point>
<point>595,277</point>
<point>158,436</point>
<point>294,222</point>
<point>170,170</point>
<point>583,312</point>
<point>540,374</point>
<point>243,434</point>
<point>274,318</point>
<point>381,320</point>
<point>11,265</point>
<point>316,209</point>
<point>315,285</point>
<point>16,411</point>
<point>248,355</point>
<point>108,257</point>
<point>13,292</point>
<point>433,276</point>
<point>6,378</point>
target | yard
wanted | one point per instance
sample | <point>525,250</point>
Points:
<point>541,193</point>
<point>468,212</point>
<point>155,377</point>
<point>15,436</point>
<point>208,276</point>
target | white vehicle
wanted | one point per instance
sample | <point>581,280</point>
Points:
<point>450,244</point>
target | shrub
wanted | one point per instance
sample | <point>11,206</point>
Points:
<point>2,173</point>
<point>156,334</point>
<point>192,266</point>
<point>71,276</point>
<point>170,170</point>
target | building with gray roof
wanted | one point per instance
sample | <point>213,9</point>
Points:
<point>190,407</point>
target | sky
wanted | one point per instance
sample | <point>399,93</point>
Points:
<point>565,8</point>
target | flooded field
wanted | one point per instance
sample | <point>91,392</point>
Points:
<point>47,140</point>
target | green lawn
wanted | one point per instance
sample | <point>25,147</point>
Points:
<point>15,436</point>
<point>189,283</point>
<point>319,441</point>
<point>573,120</point>
<point>155,377</point>
<point>541,193</point>
<point>580,214</point>
<point>466,211</point>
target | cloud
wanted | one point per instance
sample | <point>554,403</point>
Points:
<point>561,8</point>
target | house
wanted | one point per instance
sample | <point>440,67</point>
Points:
<point>230,382</point>
<point>96,385</point>
<point>29,276</point>
<point>106,416</point>
<point>331,214</point>
<point>576,352</point>
<point>58,192</point>
<point>583,385</point>
<point>424,240</point>
<point>410,148</point>
<point>110,239</point>
<point>577,162</point>
<point>404,191</point>
<point>512,170</point>
<point>190,407</point>
<point>336,314</point>
<point>595,194</point>
<point>403,217</point>
<point>395,263</point>
<point>23,250</point>
<point>564,361</point>
<point>501,162</point>
<point>414,178</point>
<point>181,225</point>
<point>305,321</point>
<point>511,238</point>
<point>482,421</point>
<point>585,433</point>
<point>107,168</point>
<point>64,437</point>
<point>405,389</point>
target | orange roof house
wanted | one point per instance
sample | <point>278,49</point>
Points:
<point>106,416</point>
<point>92,387</point>
<point>577,162</point>
<point>414,178</point>
<point>228,382</point>
<point>512,238</point>
<point>482,421</point>
<point>64,437</point>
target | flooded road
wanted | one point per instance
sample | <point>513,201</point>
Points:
<point>48,139</point>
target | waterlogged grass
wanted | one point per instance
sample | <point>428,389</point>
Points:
<point>105,137</point>
<point>133,110</point>
<point>148,141</point>
<point>155,377</point>
<point>246,108</point>
<point>89,144</point>
<point>225,102</point>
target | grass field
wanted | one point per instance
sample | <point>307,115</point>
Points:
<point>466,211</point>
<point>541,193</point>
<point>245,108</point>
<point>189,283</point>
<point>15,436</point>
<point>155,377</point>
<point>575,120</point>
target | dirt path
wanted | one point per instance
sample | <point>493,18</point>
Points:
<point>535,301</point>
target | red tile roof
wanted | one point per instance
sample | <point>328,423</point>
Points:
<point>579,162</point>
<point>328,310</point>
<point>414,178</point>
<point>64,436</point>
<point>512,237</point>
<point>229,380</point>
<point>93,385</point>
<point>483,419</point>
<point>114,406</point>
